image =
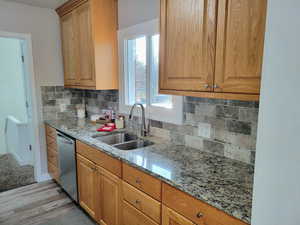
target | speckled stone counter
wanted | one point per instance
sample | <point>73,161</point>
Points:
<point>223,183</point>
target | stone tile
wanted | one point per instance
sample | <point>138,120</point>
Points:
<point>161,133</point>
<point>189,107</point>
<point>59,88</point>
<point>194,142</point>
<point>213,147</point>
<point>177,138</point>
<point>248,104</point>
<point>75,101</point>
<point>193,119</point>
<point>205,110</point>
<point>241,140</point>
<point>204,130</point>
<point>49,103</point>
<point>227,112</point>
<point>183,129</point>
<point>155,123</point>
<point>248,115</point>
<point>252,158</point>
<point>237,153</point>
<point>238,127</point>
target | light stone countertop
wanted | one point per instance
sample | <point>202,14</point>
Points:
<point>220,182</point>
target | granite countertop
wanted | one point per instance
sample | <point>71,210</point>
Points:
<point>220,182</point>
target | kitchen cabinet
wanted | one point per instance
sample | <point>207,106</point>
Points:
<point>89,44</point>
<point>108,198</point>
<point>170,217</point>
<point>52,153</point>
<point>132,216</point>
<point>211,48</point>
<point>99,189</point>
<point>86,178</point>
<point>69,49</point>
<point>193,211</point>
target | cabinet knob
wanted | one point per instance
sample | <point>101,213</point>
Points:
<point>206,86</point>
<point>199,215</point>
<point>216,86</point>
<point>137,201</point>
<point>138,181</point>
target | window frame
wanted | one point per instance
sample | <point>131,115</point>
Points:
<point>148,29</point>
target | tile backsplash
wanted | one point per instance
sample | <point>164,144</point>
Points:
<point>222,127</point>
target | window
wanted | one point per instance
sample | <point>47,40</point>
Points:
<point>139,69</point>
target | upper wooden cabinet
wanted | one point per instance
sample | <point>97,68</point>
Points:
<point>69,49</point>
<point>89,43</point>
<point>212,48</point>
<point>187,44</point>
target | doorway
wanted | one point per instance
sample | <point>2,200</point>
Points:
<point>16,122</point>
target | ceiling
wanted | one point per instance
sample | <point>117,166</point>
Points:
<point>53,4</point>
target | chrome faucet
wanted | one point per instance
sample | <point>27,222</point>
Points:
<point>144,129</point>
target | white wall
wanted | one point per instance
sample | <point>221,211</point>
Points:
<point>12,97</point>
<point>277,168</point>
<point>132,12</point>
<point>43,26</point>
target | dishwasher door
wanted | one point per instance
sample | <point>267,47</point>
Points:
<point>67,164</point>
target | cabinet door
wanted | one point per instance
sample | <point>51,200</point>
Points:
<point>86,75</point>
<point>108,197</point>
<point>240,42</point>
<point>86,184</point>
<point>69,49</point>
<point>170,217</point>
<point>187,44</point>
<point>132,216</point>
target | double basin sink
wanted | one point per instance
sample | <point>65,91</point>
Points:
<point>123,141</point>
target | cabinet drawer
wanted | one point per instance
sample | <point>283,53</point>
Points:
<point>192,208</point>
<point>52,157</point>
<point>50,131</point>
<point>142,181</point>
<point>51,143</point>
<point>131,216</point>
<point>101,159</point>
<point>141,201</point>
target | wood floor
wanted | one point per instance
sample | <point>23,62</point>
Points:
<point>39,204</point>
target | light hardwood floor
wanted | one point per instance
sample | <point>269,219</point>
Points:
<point>40,204</point>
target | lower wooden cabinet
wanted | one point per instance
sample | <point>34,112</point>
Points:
<point>108,198</point>
<point>52,154</point>
<point>99,192</point>
<point>132,216</point>
<point>170,217</point>
<point>86,178</point>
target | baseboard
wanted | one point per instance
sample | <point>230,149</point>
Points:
<point>43,177</point>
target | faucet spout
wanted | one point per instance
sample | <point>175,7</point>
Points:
<point>144,130</point>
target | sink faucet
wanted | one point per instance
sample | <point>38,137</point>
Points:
<point>144,130</point>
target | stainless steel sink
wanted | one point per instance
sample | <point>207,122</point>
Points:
<point>117,138</point>
<point>123,141</point>
<point>134,145</point>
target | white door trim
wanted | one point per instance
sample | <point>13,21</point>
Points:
<point>31,87</point>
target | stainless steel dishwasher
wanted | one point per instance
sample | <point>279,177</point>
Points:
<point>67,164</point>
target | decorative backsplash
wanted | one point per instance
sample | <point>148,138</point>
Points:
<point>222,127</point>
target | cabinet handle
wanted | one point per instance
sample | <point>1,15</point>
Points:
<point>216,86</point>
<point>199,215</point>
<point>206,86</point>
<point>137,201</point>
